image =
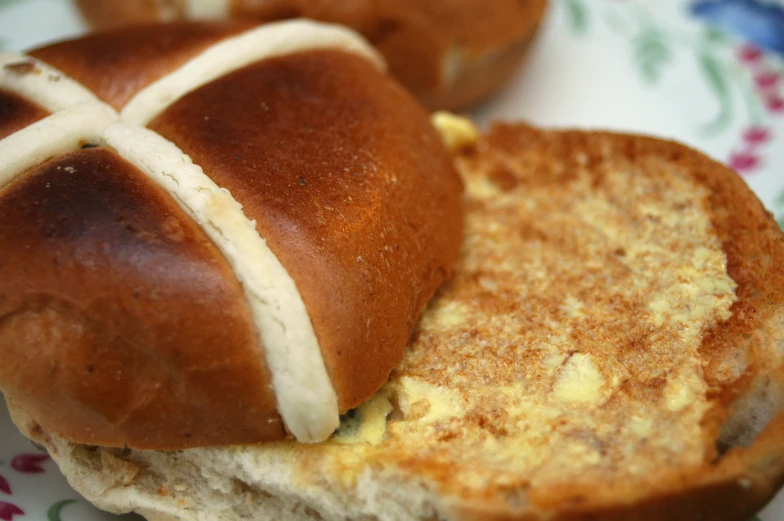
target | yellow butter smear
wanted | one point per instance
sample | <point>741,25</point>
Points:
<point>456,131</point>
<point>565,349</point>
<point>367,423</point>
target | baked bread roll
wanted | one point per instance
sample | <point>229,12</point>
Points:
<point>609,348</point>
<point>212,234</point>
<point>450,53</point>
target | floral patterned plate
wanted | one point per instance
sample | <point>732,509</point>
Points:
<point>709,73</point>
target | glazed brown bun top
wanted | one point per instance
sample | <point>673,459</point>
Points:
<point>17,112</point>
<point>449,53</point>
<point>115,65</point>
<point>240,252</point>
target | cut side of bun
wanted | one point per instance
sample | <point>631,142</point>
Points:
<point>610,348</point>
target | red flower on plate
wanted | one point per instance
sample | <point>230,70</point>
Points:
<point>29,463</point>
<point>749,53</point>
<point>767,79</point>
<point>742,162</point>
<point>756,135</point>
<point>9,510</point>
<point>775,103</point>
<point>4,485</point>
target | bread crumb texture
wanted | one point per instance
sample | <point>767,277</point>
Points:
<point>614,297</point>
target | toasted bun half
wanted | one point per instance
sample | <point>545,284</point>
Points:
<point>212,234</point>
<point>610,348</point>
<point>449,53</point>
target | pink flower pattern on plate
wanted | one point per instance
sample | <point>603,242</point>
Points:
<point>775,103</point>
<point>767,83</point>
<point>749,158</point>
<point>757,134</point>
<point>29,463</point>
<point>9,510</point>
<point>748,53</point>
<point>743,162</point>
<point>766,80</point>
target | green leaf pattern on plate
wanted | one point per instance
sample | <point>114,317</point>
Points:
<point>716,78</point>
<point>652,52</point>
<point>578,15</point>
<point>53,514</point>
<point>654,46</point>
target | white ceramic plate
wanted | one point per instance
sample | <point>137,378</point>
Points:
<point>706,72</point>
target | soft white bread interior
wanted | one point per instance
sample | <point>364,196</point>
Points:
<point>610,348</point>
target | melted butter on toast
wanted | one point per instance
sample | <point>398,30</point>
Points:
<point>456,132</point>
<point>566,345</point>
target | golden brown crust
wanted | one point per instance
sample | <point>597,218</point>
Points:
<point>734,489</point>
<point>358,197</point>
<point>120,322</point>
<point>729,486</point>
<point>115,65</point>
<point>451,54</point>
<point>17,112</point>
